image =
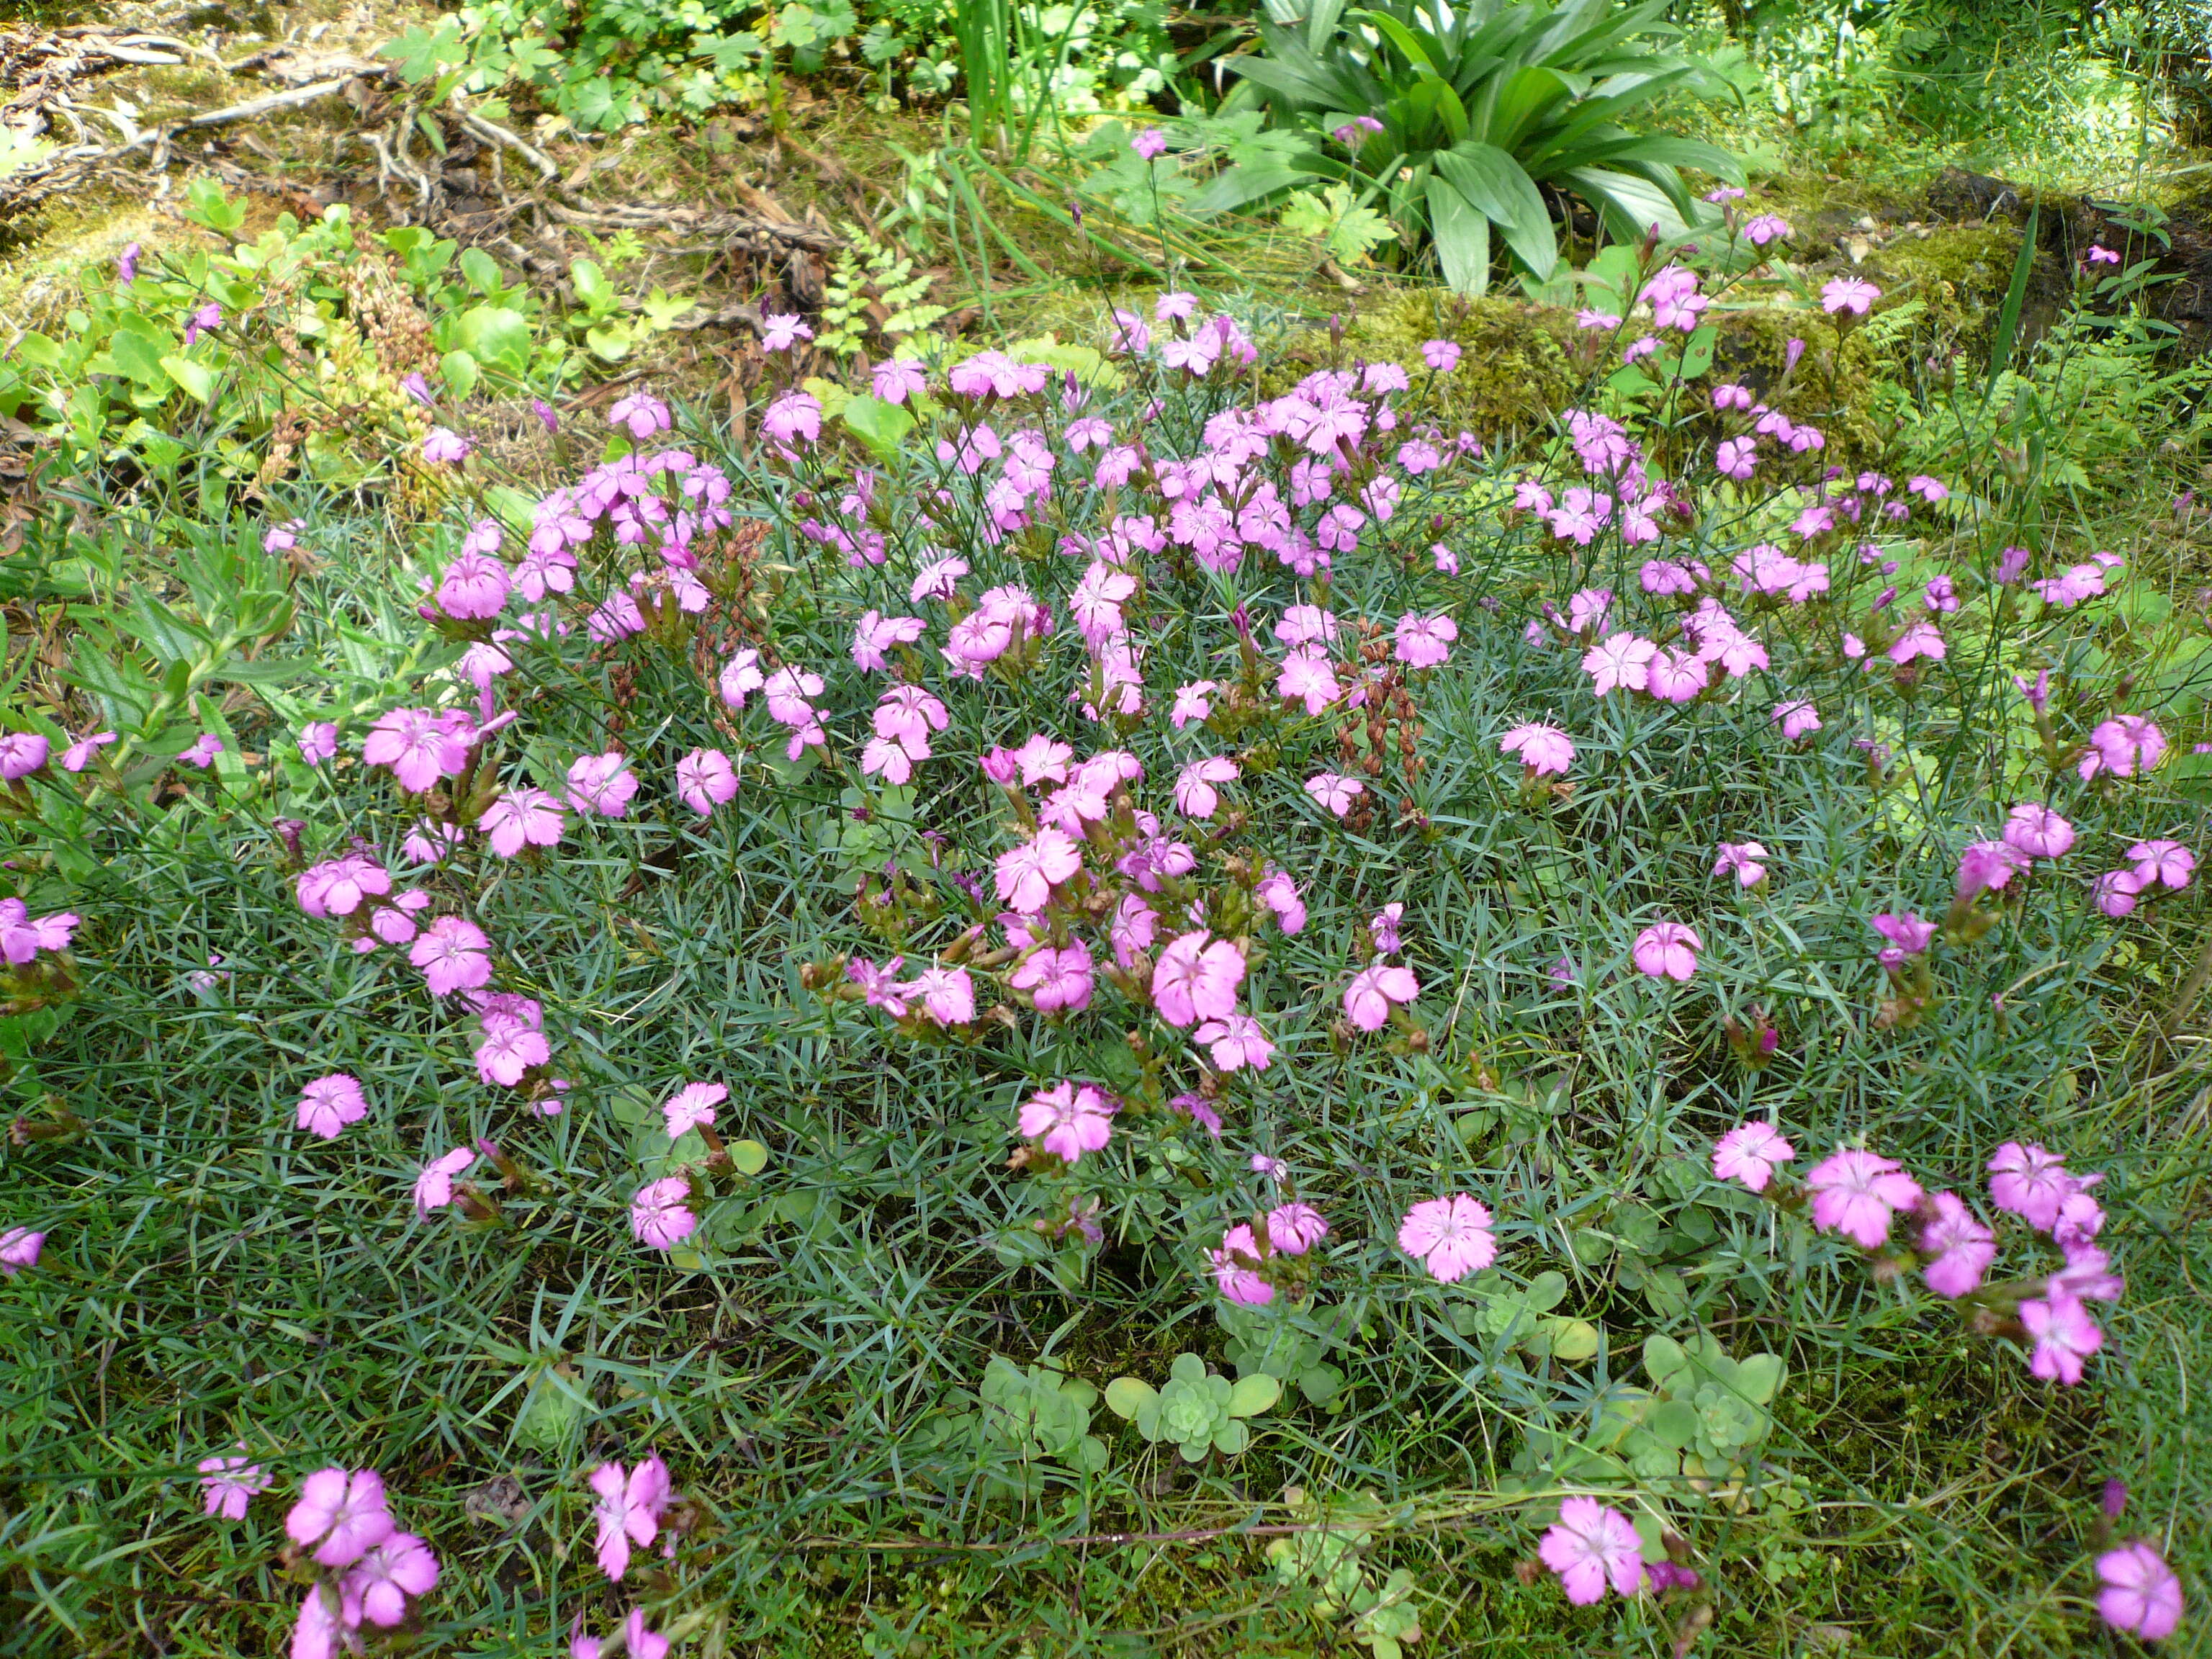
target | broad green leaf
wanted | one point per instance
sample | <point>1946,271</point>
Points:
<point>1462,238</point>
<point>459,369</point>
<point>196,378</point>
<point>1126,1395</point>
<point>881,426</point>
<point>1495,185</point>
<point>748,1158</point>
<point>1254,1394</point>
<point>496,335</point>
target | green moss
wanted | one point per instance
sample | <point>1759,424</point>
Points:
<point>1960,271</point>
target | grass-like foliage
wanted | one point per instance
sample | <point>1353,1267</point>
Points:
<point>1144,972</point>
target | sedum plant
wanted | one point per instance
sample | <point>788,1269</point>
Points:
<point>1198,1409</point>
<point>1458,119</point>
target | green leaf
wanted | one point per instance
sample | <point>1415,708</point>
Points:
<point>881,426</point>
<point>136,356</point>
<point>1759,1377</point>
<point>459,370</point>
<point>496,335</point>
<point>593,291</point>
<point>480,270</point>
<point>1254,1394</point>
<point>1229,1439</point>
<point>196,378</point>
<point>1126,1395</point>
<point>1462,238</point>
<point>1497,186</point>
<point>748,1158</point>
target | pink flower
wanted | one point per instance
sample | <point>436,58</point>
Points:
<point>1294,1229</point>
<point>1544,750</point>
<point>1194,980</point>
<point>1668,950</point>
<point>1150,144</point>
<point>1921,639</point>
<point>227,1485</point>
<point>520,818</point>
<point>1961,1246</point>
<point>377,1586</point>
<point>1441,355</point>
<point>2065,1336</point>
<point>328,1103</point>
<point>1851,293</point>
<point>2034,830</point>
<point>1589,1547</point>
<point>1069,1119</point>
<point>794,418</point>
<point>876,636</point>
<point>2142,1595</point>
<point>641,415</point>
<point>475,586</point>
<point>1767,227</point>
<point>22,753</point>
<point>2030,1183</point>
<point>1236,1042</point>
<point>781,331</point>
<point>658,1214</point>
<point>1195,795</point>
<point>1367,1000</point>
<point>1382,928</point>
<point>1987,866</point>
<point>1742,859</point>
<point>2164,861</point>
<point>1796,719</point>
<point>947,995</point>
<point>1423,641</point>
<point>1307,676</point>
<point>1907,933</point>
<point>2122,747</point>
<point>630,1508</point>
<point>19,1248</point>
<point>2116,891</point>
<point>444,448</point>
<point>897,379</point>
<point>1235,1268</point>
<point>1281,895</point>
<point>705,779</point>
<point>740,677</point>
<point>317,1633</point>
<point>1622,662</point>
<point>1056,980</point>
<point>1449,1236</point>
<point>318,742</point>
<point>510,1047</point>
<point>338,887</point>
<point>345,1511</point>
<point>1748,1153</point>
<point>78,754</point>
<point>691,1106</point>
<point>1335,793</point>
<point>1856,1192</point>
<point>602,784</point>
<point>1193,702</point>
<point>434,1185</point>
<point>1027,874</point>
<point>418,746</point>
<point>453,955</point>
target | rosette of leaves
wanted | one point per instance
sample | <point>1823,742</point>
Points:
<point>1293,1348</point>
<point>1028,1421</point>
<point>1521,1318</point>
<point>1330,1557</point>
<point>1197,1411</point>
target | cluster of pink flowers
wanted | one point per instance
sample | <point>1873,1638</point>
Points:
<point>23,936</point>
<point>1245,1265</point>
<point>343,1521</point>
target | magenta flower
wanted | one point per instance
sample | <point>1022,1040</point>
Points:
<point>328,1103</point>
<point>474,586</point>
<point>204,750</point>
<point>658,1214</point>
<point>1449,1236</point>
<point>318,1633</point>
<point>2037,831</point>
<point>629,1509</point>
<point>1235,1042</point>
<point>1027,874</point>
<point>897,379</point>
<point>1193,702</point>
<point>1767,227</point>
<point>1069,1119</point>
<point>641,415</point>
<point>2162,861</point>
<point>19,1248</point>
<point>1742,859</point>
<point>1367,1000</point>
<point>1907,933</point>
<point>692,1105</point>
<point>1194,980</point>
<point>2123,746</point>
<point>377,1586</point>
<point>1150,144</point>
<point>779,332</point>
<point>419,745</point>
<point>1236,1266</point>
<point>2065,1337</point>
<point>78,754</point>
<point>1987,866</point>
<point>1335,793</point>
<point>1961,1246</point>
<point>453,955</point>
<point>1748,1154</point>
<point>2030,1183</point>
<point>510,1047</point>
<point>1856,1193</point>
<point>1668,950</point>
<point>1056,980</point>
<point>520,818</point>
<point>705,779</point>
<point>227,1485</point>
<point>1620,662</point>
<point>338,887</point>
<point>1544,750</point>
<point>1195,796</point>
<point>444,448</point>
<point>434,1184</point>
<point>22,753</point>
<point>1589,1547</point>
<point>318,742</point>
<point>345,1512</point>
<point>1423,641</point>
<point>1796,719</point>
<point>1852,293</point>
<point>2142,1595</point>
<point>1307,677</point>
<point>1382,928</point>
<point>1294,1229</point>
<point>2117,890</point>
<point>602,784</point>
<point>1281,895</point>
<point>876,636</point>
<point>947,995</point>
<point>1441,355</point>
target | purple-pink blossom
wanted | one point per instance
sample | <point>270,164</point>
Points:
<point>659,1215</point>
<point>2065,1337</point>
<point>1235,1267</point>
<point>343,1514</point>
<point>2142,1594</point>
<point>629,1509</point>
<point>1856,1192</point>
<point>1451,1236</point>
<point>1959,1247</point>
<point>1749,1153</point>
<point>1069,1119</point>
<point>227,1485</point>
<point>1590,1546</point>
<point>705,779</point>
<point>328,1103</point>
<point>1196,978</point>
<point>433,1182</point>
<point>19,1248</point>
<point>1294,1228</point>
<point>1374,988</point>
<point>1668,950</point>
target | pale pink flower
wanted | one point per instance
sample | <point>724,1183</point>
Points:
<point>520,818</point>
<point>1449,1236</point>
<point>630,1506</point>
<point>1851,293</point>
<point>1748,1154</point>
<point>1668,950</point>
<point>947,995</point>
<point>1742,859</point>
<point>2117,890</point>
<point>1987,866</point>
<point>1856,1192</point>
<point>474,586</point>
<point>1589,1547</point>
<point>1056,980</point>
<point>1135,926</point>
<point>22,753</point>
<point>1150,144</point>
<point>1281,895</point>
<point>316,1633</point>
<point>602,784</point>
<point>1382,928</point>
<point>1423,641</point>
<point>1069,1119</point>
<point>1236,1042</point>
<point>453,955</point>
<point>1293,1228</point>
<point>2034,830</point>
<point>1193,702</point>
<point>782,331</point>
<point>658,1215</point>
<point>1621,662</point>
<point>1907,933</point>
<point>1335,793</point>
<point>1195,796</point>
<point>2123,746</point>
<point>19,1248</point>
<point>444,448</point>
<point>876,636</point>
<point>2142,1595</point>
<point>1367,1000</point>
<point>1441,355</point>
<point>1025,875</point>
<point>2065,1337</point>
<point>328,1103</point>
<point>1796,719</point>
<point>1235,1268</point>
<point>79,755</point>
<point>376,1587</point>
<point>691,1106</point>
<point>343,1514</point>
<point>641,415</point>
<point>1544,750</point>
<point>1308,677</point>
<point>1962,1248</point>
<point>2163,861</point>
<point>740,677</point>
<point>705,779</point>
<point>2027,1182</point>
<point>228,1486</point>
<point>1196,980</point>
<point>433,1184</point>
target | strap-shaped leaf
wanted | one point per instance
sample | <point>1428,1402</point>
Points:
<point>1244,183</point>
<point>1631,205</point>
<point>1494,184</point>
<point>1461,235</point>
